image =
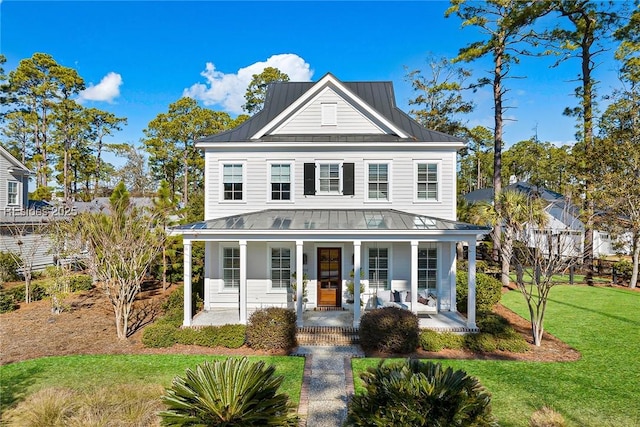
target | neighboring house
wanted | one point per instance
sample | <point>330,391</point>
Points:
<point>564,231</point>
<point>332,180</point>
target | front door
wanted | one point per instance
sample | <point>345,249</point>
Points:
<point>329,277</point>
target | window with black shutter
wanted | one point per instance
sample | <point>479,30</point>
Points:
<point>309,179</point>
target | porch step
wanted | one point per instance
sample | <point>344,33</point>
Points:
<point>327,335</point>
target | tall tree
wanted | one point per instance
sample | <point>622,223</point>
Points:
<point>257,89</point>
<point>170,141</point>
<point>476,160</point>
<point>439,104</point>
<point>505,24</point>
<point>591,29</point>
<point>164,207</point>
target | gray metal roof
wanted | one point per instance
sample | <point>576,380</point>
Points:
<point>378,95</point>
<point>330,220</point>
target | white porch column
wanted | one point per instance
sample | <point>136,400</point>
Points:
<point>243,281</point>
<point>186,244</point>
<point>414,276</point>
<point>299,282</point>
<point>356,283</point>
<point>471,302</point>
<point>452,277</point>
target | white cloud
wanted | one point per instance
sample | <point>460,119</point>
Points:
<point>228,90</point>
<point>107,90</point>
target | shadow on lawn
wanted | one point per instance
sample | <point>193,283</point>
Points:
<point>13,387</point>
<point>601,313</point>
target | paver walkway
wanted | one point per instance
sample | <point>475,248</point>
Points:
<point>327,383</point>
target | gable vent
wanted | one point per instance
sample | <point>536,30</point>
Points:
<point>329,114</point>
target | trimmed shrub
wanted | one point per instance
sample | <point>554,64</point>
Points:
<point>231,392</point>
<point>481,342</point>
<point>186,336</point>
<point>159,335</point>
<point>415,393</point>
<point>272,328</point>
<point>436,341</point>
<point>389,330</point>
<point>507,338</point>
<point>452,341</point>
<point>232,336</point>
<point>38,292</point>
<point>546,417</point>
<point>488,291</point>
<point>81,282</point>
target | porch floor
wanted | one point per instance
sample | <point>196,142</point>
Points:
<point>445,321</point>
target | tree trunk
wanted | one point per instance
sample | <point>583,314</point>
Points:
<point>506,251</point>
<point>164,267</point>
<point>497,136</point>
<point>636,257</point>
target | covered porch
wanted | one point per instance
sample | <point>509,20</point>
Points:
<point>383,250</point>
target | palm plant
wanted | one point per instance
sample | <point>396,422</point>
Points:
<point>233,392</point>
<point>416,393</point>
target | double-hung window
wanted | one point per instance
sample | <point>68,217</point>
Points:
<point>427,268</point>
<point>231,268</point>
<point>378,179</point>
<point>280,181</point>
<point>12,193</point>
<point>232,179</point>
<point>280,268</point>
<point>329,178</point>
<point>378,268</point>
<point>427,181</point>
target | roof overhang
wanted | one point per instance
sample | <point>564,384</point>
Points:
<point>448,146</point>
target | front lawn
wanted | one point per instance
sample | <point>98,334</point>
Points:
<point>93,372</point>
<point>601,389</point>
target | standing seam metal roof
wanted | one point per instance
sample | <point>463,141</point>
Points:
<point>379,95</point>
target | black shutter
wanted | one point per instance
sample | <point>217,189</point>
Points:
<point>309,179</point>
<point>348,180</point>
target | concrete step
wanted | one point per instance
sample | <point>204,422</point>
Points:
<point>327,335</point>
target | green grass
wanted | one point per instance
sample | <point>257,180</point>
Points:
<point>17,380</point>
<point>600,389</point>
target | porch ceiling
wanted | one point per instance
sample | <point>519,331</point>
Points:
<point>312,221</point>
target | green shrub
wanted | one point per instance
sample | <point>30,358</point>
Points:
<point>389,330</point>
<point>514,343</point>
<point>8,303</point>
<point>624,269</point>
<point>272,328</point>
<point>186,336</point>
<point>8,267</point>
<point>452,341</point>
<point>232,336</point>
<point>229,336</point>
<point>507,338</point>
<point>81,282</point>
<point>230,392</point>
<point>38,292</point>
<point>488,291</point>
<point>436,341</point>
<point>481,342</point>
<point>415,393</point>
<point>159,335</point>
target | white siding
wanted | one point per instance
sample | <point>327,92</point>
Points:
<point>402,179</point>
<point>308,120</point>
<point>35,246</point>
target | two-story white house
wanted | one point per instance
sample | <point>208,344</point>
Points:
<point>334,181</point>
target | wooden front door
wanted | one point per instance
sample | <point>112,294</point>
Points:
<point>329,277</point>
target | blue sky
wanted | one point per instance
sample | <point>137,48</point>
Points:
<point>138,57</point>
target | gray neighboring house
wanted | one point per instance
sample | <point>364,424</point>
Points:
<point>563,221</point>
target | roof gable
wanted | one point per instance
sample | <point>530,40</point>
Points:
<point>16,165</point>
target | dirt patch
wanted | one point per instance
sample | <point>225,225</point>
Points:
<point>87,327</point>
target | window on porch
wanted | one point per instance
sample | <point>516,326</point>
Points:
<point>378,268</point>
<point>280,268</point>
<point>427,268</point>
<point>231,268</point>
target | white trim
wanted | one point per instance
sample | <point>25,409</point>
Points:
<point>395,145</point>
<point>224,163</point>
<point>340,178</point>
<point>292,254</point>
<point>312,92</point>
<point>291,163</point>
<point>18,193</point>
<point>438,163</point>
<point>367,163</point>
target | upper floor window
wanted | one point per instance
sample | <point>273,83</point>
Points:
<point>378,268</point>
<point>427,181</point>
<point>280,268</point>
<point>378,180</point>
<point>280,182</point>
<point>231,268</point>
<point>427,268</point>
<point>232,177</point>
<point>12,192</point>
<point>329,179</point>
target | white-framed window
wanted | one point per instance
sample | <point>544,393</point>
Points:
<point>280,180</point>
<point>329,178</point>
<point>280,262</point>
<point>231,267</point>
<point>232,181</point>
<point>12,193</point>
<point>378,268</point>
<point>427,268</point>
<point>426,175</point>
<point>329,113</point>
<point>378,181</point>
